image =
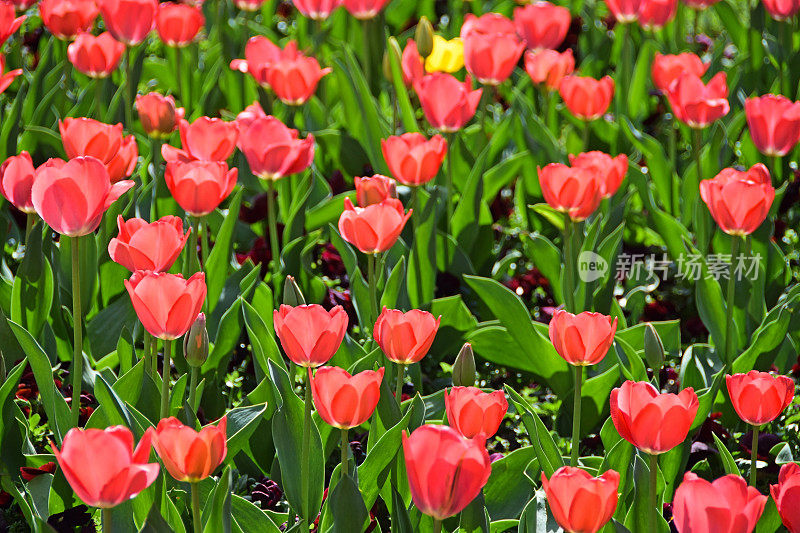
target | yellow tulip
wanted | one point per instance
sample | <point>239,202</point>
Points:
<point>447,56</point>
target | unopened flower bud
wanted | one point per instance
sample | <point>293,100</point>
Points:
<point>653,348</point>
<point>423,36</point>
<point>292,295</point>
<point>392,47</point>
<point>195,342</point>
<point>464,367</point>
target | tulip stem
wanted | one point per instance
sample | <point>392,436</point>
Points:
<point>730,303</point>
<point>273,228</point>
<point>106,519</point>
<point>195,375</point>
<point>191,250</point>
<point>30,221</point>
<point>373,298</point>
<point>345,449</point>
<point>155,156</point>
<point>196,513</point>
<point>77,323</point>
<point>451,137</point>
<point>585,135</point>
<point>99,97</point>
<point>576,416</point>
<point>754,457</point>
<point>415,214</point>
<point>569,266</point>
<point>777,169</point>
<point>437,524</point>
<point>305,465</point>
<point>165,380</point>
<point>154,356</point>
<point>146,354</point>
<point>367,53</point>
<point>126,94</point>
<point>398,392</point>
<point>654,511</point>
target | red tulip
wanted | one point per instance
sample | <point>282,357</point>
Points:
<point>727,505</point>
<point>759,397</point>
<point>249,5</point>
<point>624,11</point>
<point>190,455</point>
<point>486,23</point>
<point>294,77</point>
<point>405,338</point>
<point>668,68</point>
<point>491,56</point>
<point>16,179</point>
<point>8,78</point>
<point>102,466</point>
<point>166,304</point>
<point>178,24</point>
<point>344,401</point>
<point>448,103</point>
<point>88,137</point>
<point>585,97</point>
<point>316,9</point>
<point>412,159</point>
<point>786,495</point>
<point>158,114</point>
<point>549,67</point>
<point>654,14</point>
<point>273,150</point>
<point>655,423</point>
<point>700,4</point>
<point>9,22</point>
<point>374,189</point>
<point>582,339</point>
<point>774,123</point>
<point>782,9</point>
<point>148,246</point>
<point>472,412</point>
<point>199,186</point>
<point>739,201</point>
<point>248,115</point>
<point>696,104</point>
<point>309,334</point>
<point>575,191</point>
<point>609,171</point>
<point>72,197</point>
<point>67,18</point>
<point>374,228</point>
<point>364,9</point>
<point>205,139</point>
<point>412,63</point>
<point>542,25</point>
<point>580,502</point>
<point>129,21</point>
<point>445,470</point>
<point>260,53</point>
<point>22,5</point>
<point>97,57</point>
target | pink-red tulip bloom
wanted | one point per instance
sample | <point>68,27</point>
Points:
<point>491,55</point>
<point>97,57</point>
<point>412,63</point>
<point>148,246</point>
<point>654,14</point>
<point>608,171</point>
<point>549,67</point>
<point>726,505</point>
<point>364,9</point>
<point>158,114</point>
<point>199,186</point>
<point>542,25</point>
<point>102,467</point>
<point>739,201</point>
<point>294,77</point>
<point>759,397</point>
<point>259,55</point>
<point>205,139</point>
<point>774,123</point>
<point>786,495</point>
<point>309,334</point>
<point>472,412</point>
<point>16,180</point>
<point>8,78</point>
<point>575,191</point>
<point>374,189</point>
<point>88,137</point>
<point>166,304</point>
<point>129,21</point>
<point>316,9</point>
<point>668,68</point>
<point>654,423</point>
<point>582,339</point>
<point>190,455</point>
<point>67,18</point>
<point>9,22</point>
<point>71,197</point>
<point>782,9</point>
<point>405,338</point>
<point>178,24</point>
<point>580,502</point>
<point>585,97</point>
<point>344,401</point>
<point>697,104</point>
<point>412,159</point>
<point>445,470</point>
<point>273,150</point>
<point>374,228</point>
<point>448,103</point>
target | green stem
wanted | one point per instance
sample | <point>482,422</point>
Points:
<point>165,380</point>
<point>106,519</point>
<point>30,221</point>
<point>191,250</point>
<point>305,465</point>
<point>367,53</point>
<point>783,89</point>
<point>204,250</point>
<point>697,145</point>
<point>451,138</point>
<point>345,450</point>
<point>654,510</point>
<point>154,356</point>
<point>777,169</point>
<point>77,320</point>
<point>127,92</point>
<point>181,85</point>
<point>398,391</point>
<point>730,303</point>
<point>195,376</point>
<point>272,217</point>
<point>754,457</point>
<point>196,512</point>
<point>155,156</point>
<point>672,134</point>
<point>437,524</point>
<point>585,135</point>
<point>569,266</point>
<point>148,339</point>
<point>415,214</point>
<point>373,288</point>
<point>99,97</point>
<point>576,416</point>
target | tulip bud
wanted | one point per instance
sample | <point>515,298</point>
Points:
<point>423,36</point>
<point>292,295</point>
<point>653,348</point>
<point>464,367</point>
<point>393,47</point>
<point>195,342</point>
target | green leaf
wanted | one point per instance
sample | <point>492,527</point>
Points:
<point>220,257</point>
<point>474,517</point>
<point>32,292</point>
<point>537,518</point>
<point>347,506</point>
<point>393,285</point>
<point>547,452</point>
<point>727,459</point>
<point>401,93</point>
<point>242,422</point>
<point>507,492</point>
<point>8,386</point>
<point>638,517</point>
<point>217,510</point>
